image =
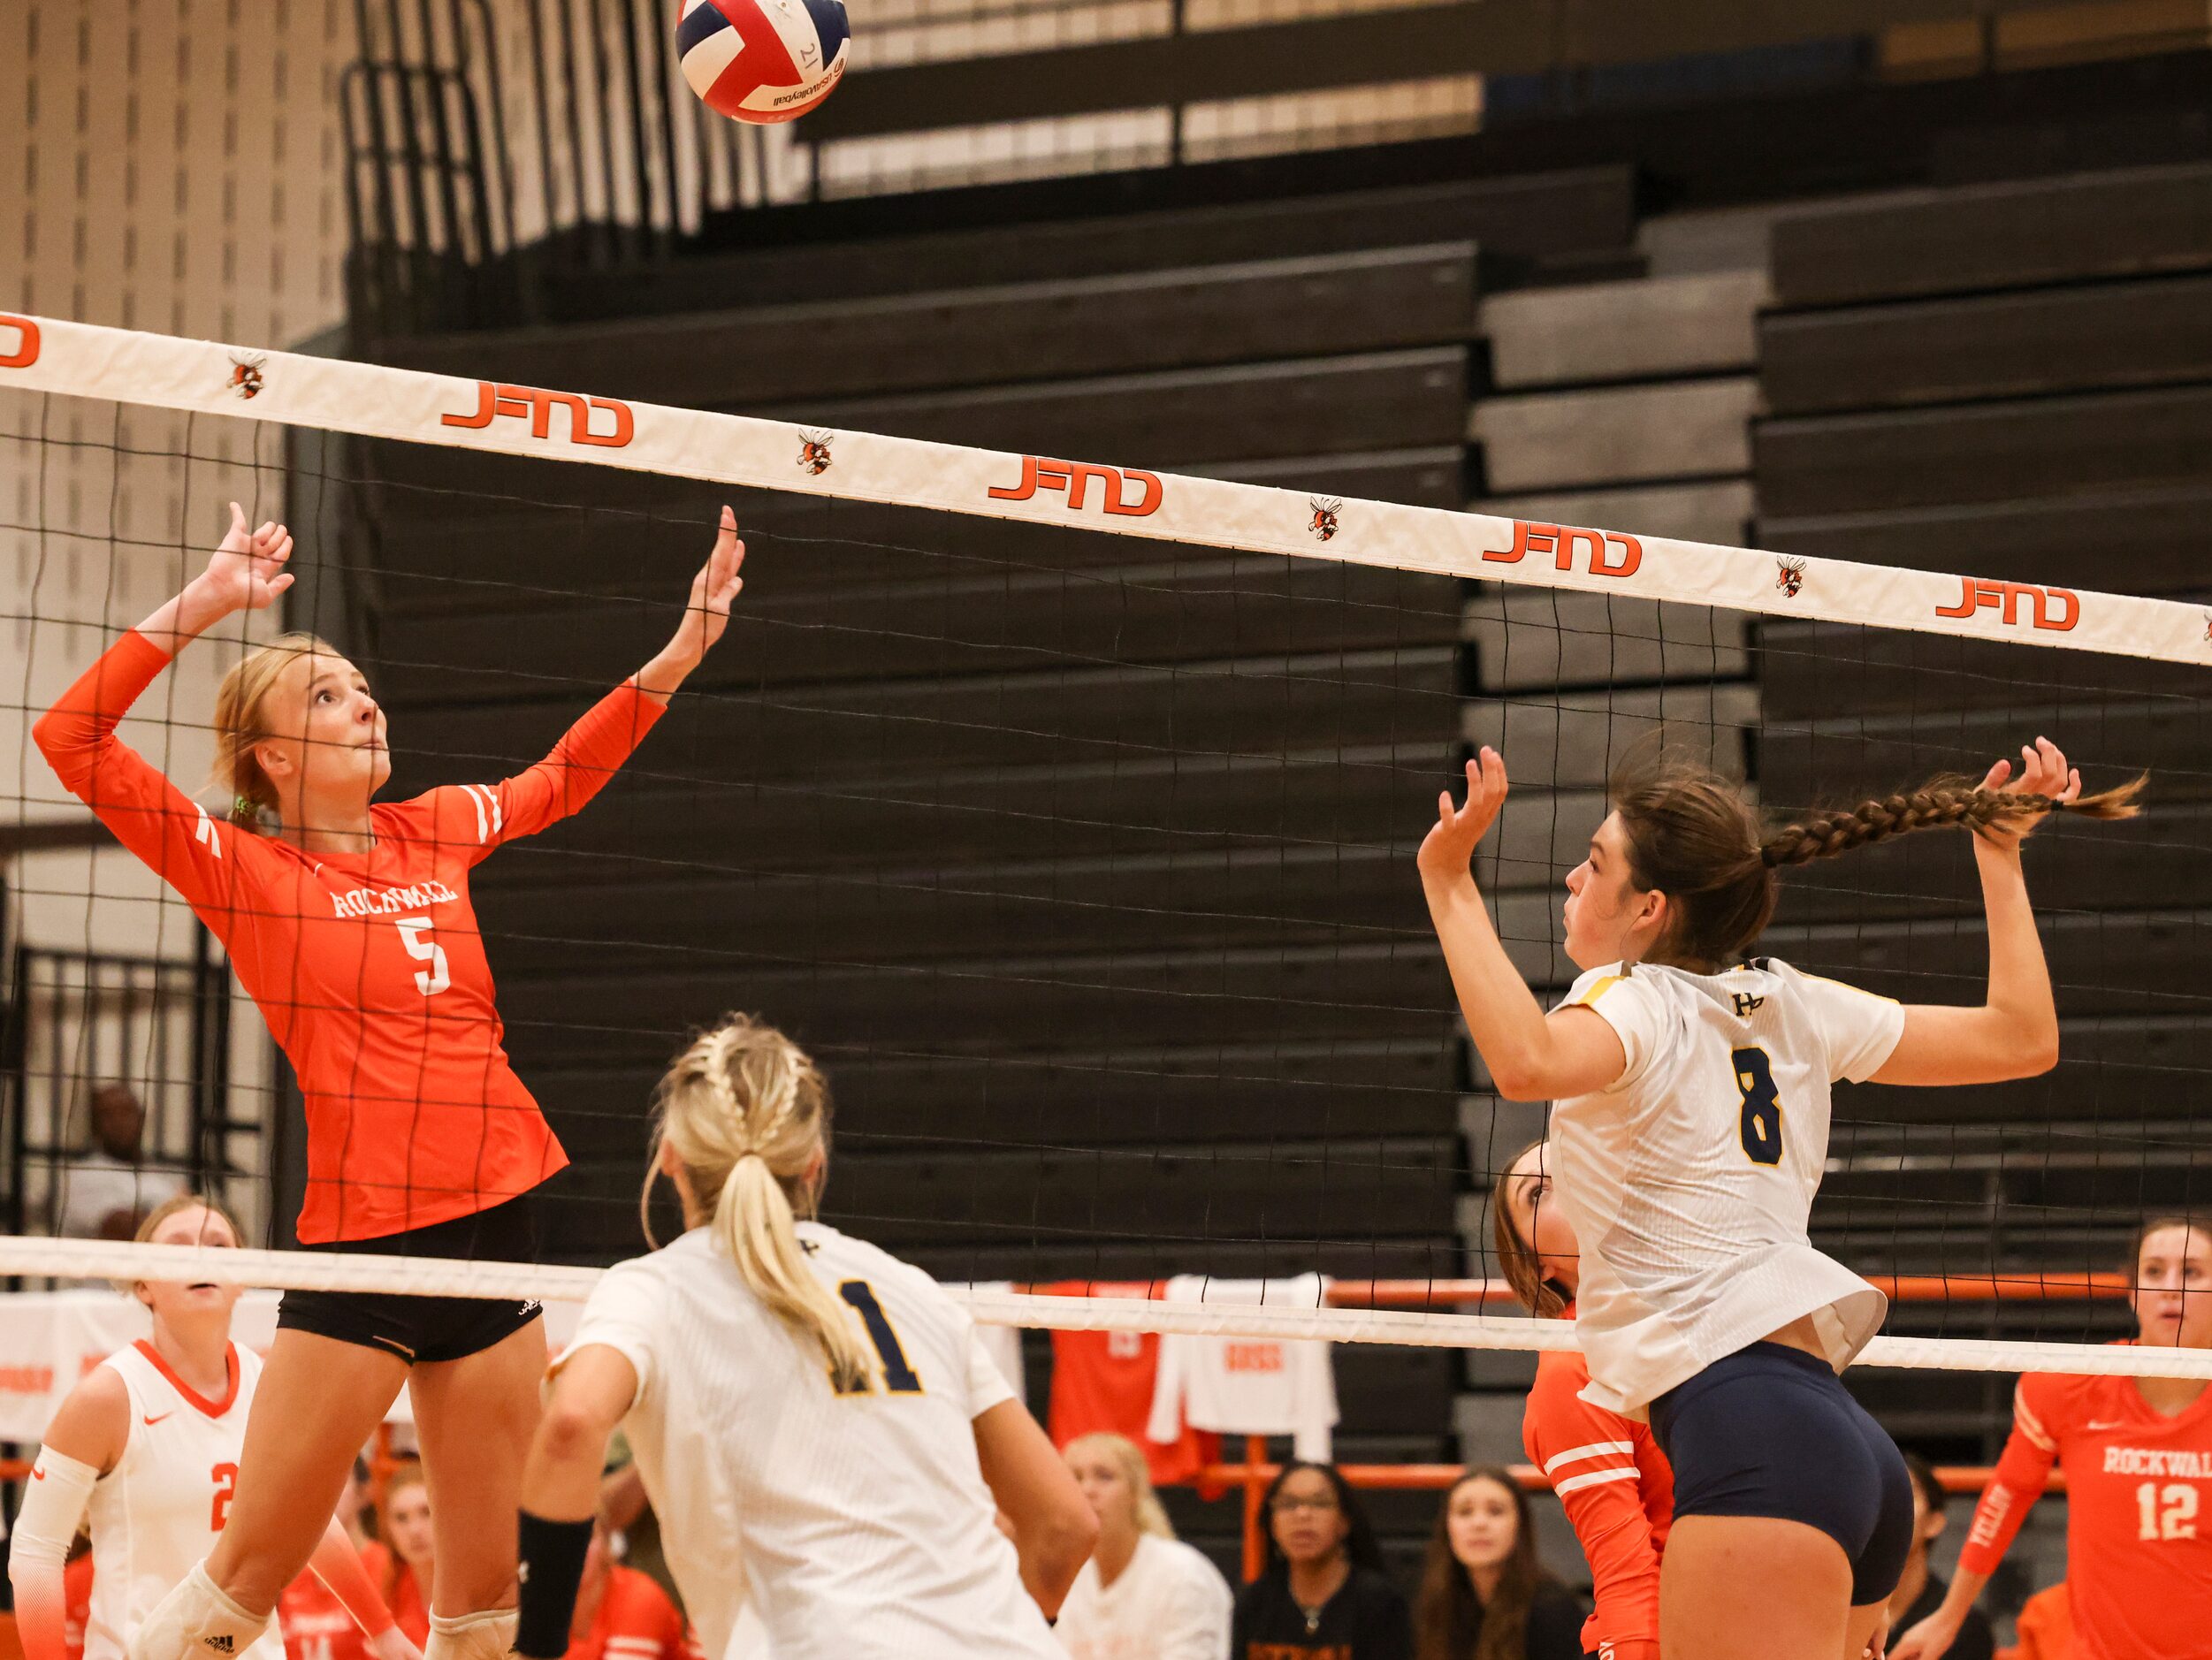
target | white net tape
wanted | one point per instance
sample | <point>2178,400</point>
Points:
<point>426,1276</point>
<point>375,400</point>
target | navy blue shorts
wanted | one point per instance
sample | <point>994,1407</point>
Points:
<point>1771,1431</point>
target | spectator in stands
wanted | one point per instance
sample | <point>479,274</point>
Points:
<point>401,1559</point>
<point>1484,1594</point>
<point>1144,1595</point>
<point>621,1614</point>
<point>106,1194</point>
<point>1324,1592</point>
<point>2045,1630</point>
<point>1919,1593</point>
<point>1612,1481</point>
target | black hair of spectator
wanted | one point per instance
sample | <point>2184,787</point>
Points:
<point>1360,1548</point>
<point>1924,1477</point>
<point>1450,1622</point>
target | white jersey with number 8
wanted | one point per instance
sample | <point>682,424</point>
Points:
<point>859,1524</point>
<point>158,1510</point>
<point>1690,1182</point>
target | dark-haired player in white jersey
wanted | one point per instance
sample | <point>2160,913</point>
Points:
<point>814,1421</point>
<point>1688,1133</point>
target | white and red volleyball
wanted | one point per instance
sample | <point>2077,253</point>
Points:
<point>763,60</point>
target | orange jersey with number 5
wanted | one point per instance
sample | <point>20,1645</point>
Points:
<point>368,968</point>
<point>2139,1512</point>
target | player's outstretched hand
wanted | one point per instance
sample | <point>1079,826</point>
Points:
<point>707,613</point>
<point>2043,772</point>
<point>1930,1639</point>
<point>246,573</point>
<point>1450,844</point>
<point>391,1645</point>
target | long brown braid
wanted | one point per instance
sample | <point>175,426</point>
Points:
<point>1692,836</point>
<point>1952,799</point>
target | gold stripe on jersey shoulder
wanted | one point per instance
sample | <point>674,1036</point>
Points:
<point>1596,991</point>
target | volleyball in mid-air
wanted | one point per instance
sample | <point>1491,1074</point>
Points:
<point>763,60</point>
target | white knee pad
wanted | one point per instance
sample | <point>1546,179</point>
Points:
<point>196,1622</point>
<point>487,1635</point>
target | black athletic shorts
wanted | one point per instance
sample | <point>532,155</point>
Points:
<point>427,1328</point>
<point>1771,1431</point>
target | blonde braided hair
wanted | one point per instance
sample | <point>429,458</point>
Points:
<point>747,1114</point>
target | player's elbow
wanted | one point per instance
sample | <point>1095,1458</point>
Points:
<point>1063,1543</point>
<point>1517,1076</point>
<point>569,1433</point>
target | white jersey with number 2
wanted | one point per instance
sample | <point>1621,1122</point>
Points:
<point>859,1524</point>
<point>158,1510</point>
<point>1689,1181</point>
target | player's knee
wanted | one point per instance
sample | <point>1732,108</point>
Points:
<point>488,1634</point>
<point>196,1621</point>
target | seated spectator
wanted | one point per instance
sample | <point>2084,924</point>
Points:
<point>1324,1592</point>
<point>2045,1630</point>
<point>108,1192</point>
<point>1919,1593</point>
<point>621,1614</point>
<point>1485,1596</point>
<point>401,1559</point>
<point>1143,1594</point>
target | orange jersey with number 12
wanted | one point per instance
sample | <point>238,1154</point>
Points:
<point>2139,1512</point>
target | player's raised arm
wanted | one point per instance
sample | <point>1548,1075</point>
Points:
<point>1531,1055</point>
<point>705,614</point>
<point>2014,1031</point>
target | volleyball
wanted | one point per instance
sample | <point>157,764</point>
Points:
<point>763,60</point>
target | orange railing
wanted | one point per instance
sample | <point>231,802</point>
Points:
<point>1902,1288</point>
<point>1254,1474</point>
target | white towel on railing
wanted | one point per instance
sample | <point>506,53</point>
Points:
<point>1240,1385</point>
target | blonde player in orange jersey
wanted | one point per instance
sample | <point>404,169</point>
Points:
<point>2137,1458</point>
<point>349,922</point>
<point>146,1448</point>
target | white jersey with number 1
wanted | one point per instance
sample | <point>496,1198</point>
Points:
<point>1690,1180</point>
<point>158,1510</point>
<point>859,1524</point>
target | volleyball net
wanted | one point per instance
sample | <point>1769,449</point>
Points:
<point>1065,812</point>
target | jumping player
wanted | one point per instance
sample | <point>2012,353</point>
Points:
<point>1688,1133</point>
<point>2137,1458</point>
<point>147,1448</point>
<point>1606,1469</point>
<point>350,925</point>
<point>814,1421</point>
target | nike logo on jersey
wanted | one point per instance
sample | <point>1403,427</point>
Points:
<point>38,1475</point>
<point>155,1419</point>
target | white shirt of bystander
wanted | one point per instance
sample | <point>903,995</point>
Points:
<point>1169,1604</point>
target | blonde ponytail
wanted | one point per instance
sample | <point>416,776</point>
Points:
<point>747,1114</point>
